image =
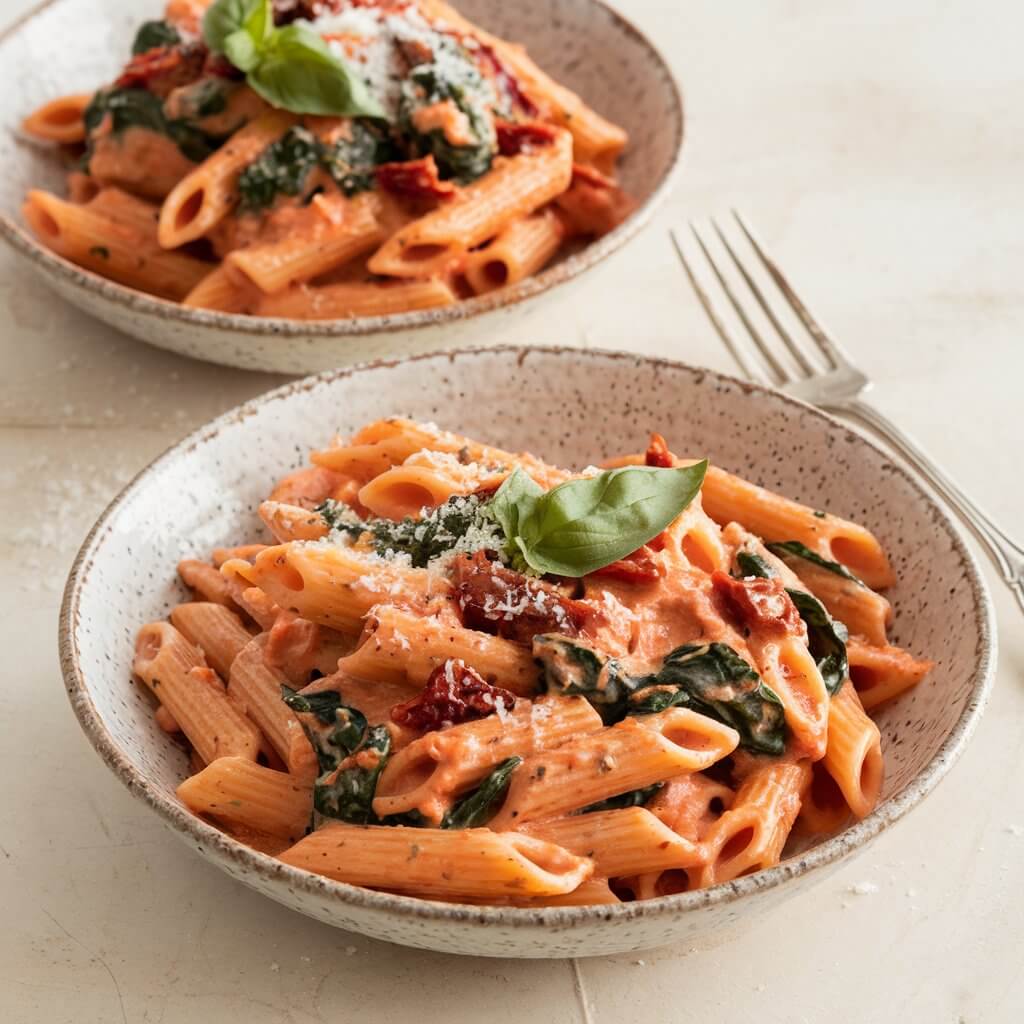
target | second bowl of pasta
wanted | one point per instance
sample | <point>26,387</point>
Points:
<point>488,678</point>
<point>294,186</point>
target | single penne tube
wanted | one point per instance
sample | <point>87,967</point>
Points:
<point>333,585</point>
<point>217,631</point>
<point>291,522</point>
<point>178,675</point>
<point>206,581</point>
<point>635,753</point>
<point>427,479</point>
<point>751,834</point>
<point>521,249</point>
<point>854,753</point>
<point>727,498</point>
<point>199,202</point>
<point>626,841</point>
<point>347,229</point>
<point>473,863</point>
<point>237,791</point>
<point>123,252</point>
<point>823,808</point>
<point>257,688</point>
<point>429,773</point>
<point>218,291</point>
<point>514,187</point>
<point>359,298</point>
<point>880,673</point>
<point>402,647</point>
<point>61,120</point>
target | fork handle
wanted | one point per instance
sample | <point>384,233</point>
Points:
<point>1006,554</point>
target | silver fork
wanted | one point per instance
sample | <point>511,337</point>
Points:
<point>838,386</point>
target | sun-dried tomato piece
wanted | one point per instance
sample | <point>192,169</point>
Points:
<point>759,604</point>
<point>144,67</point>
<point>415,179</point>
<point>517,607</point>
<point>639,567</point>
<point>523,136</point>
<point>454,693</point>
<point>496,68</point>
<point>658,453</point>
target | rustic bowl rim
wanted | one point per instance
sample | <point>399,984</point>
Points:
<point>569,268</point>
<point>829,851</point>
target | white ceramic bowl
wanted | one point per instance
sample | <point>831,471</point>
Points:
<point>76,45</point>
<point>573,408</point>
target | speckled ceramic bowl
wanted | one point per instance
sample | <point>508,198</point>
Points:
<point>573,408</point>
<point>75,45</point>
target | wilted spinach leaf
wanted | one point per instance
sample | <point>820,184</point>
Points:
<point>478,807</point>
<point>347,792</point>
<point>714,680</point>
<point>574,668</point>
<point>634,798</point>
<point>152,34</point>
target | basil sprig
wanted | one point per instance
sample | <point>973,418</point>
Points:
<point>292,67</point>
<point>583,525</point>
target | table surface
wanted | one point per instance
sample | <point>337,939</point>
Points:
<point>877,146</point>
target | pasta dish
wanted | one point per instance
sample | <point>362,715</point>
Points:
<point>464,674</point>
<point>323,159</point>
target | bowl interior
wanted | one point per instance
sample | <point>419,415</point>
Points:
<point>77,45</point>
<point>570,407</point>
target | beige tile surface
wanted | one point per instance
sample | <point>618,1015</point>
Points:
<point>878,147</point>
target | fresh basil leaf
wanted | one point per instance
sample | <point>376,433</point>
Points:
<point>583,525</point>
<point>225,17</point>
<point>634,798</point>
<point>714,680</point>
<point>241,50</point>
<point>790,549</point>
<point>826,639</point>
<point>153,34</point>
<point>298,72</point>
<point>513,501</point>
<point>334,729</point>
<point>478,808</point>
<point>347,793</point>
<point>573,668</point>
<point>751,564</point>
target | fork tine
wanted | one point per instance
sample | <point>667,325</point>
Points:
<point>716,320</point>
<point>829,348</point>
<point>794,349</point>
<point>781,376</point>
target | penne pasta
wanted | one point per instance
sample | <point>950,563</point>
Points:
<point>435,863</point>
<point>238,792</point>
<point>195,698</point>
<point>464,727</point>
<point>61,120</point>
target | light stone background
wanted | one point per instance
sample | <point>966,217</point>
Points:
<point>879,148</point>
